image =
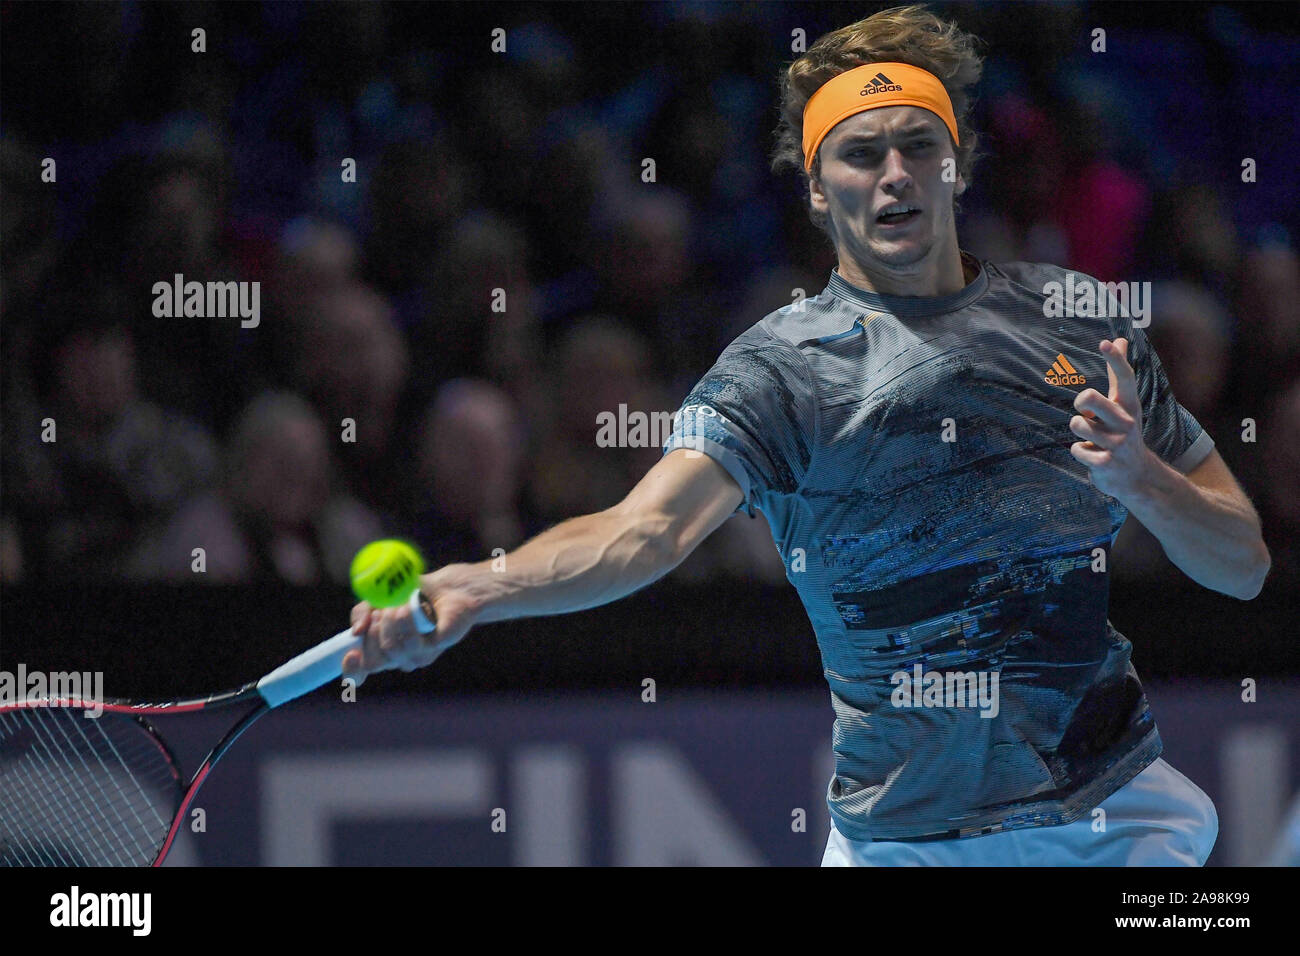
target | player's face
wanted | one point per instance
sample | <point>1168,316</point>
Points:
<point>870,164</point>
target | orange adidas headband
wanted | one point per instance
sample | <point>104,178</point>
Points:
<point>870,87</point>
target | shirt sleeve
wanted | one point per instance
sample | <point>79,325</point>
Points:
<point>753,413</point>
<point>1168,429</point>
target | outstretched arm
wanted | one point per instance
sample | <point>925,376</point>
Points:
<point>580,563</point>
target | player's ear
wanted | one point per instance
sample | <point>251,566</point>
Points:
<point>816,197</point>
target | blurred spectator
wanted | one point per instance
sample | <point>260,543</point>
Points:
<point>648,279</point>
<point>576,173</point>
<point>28,253</point>
<point>647,261</point>
<point>689,140</point>
<point>1104,205</point>
<point>27,226</point>
<point>548,62</point>
<point>1020,188</point>
<point>1281,476</point>
<point>1190,235</point>
<point>501,132</point>
<point>600,364</point>
<point>1269,322</point>
<point>468,328</point>
<point>153,219</point>
<point>352,363</point>
<point>155,216</point>
<point>313,258</point>
<point>115,465</point>
<point>420,189</point>
<point>279,513</point>
<point>469,475</point>
<point>702,143</point>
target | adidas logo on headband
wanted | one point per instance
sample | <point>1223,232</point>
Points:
<point>843,95</point>
<point>880,84</point>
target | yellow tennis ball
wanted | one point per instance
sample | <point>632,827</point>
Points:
<point>385,573</point>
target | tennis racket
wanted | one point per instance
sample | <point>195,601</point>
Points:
<point>107,791</point>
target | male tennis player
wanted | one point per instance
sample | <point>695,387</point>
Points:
<point>944,468</point>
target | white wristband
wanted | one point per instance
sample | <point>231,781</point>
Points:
<point>422,622</point>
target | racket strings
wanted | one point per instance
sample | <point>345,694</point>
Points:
<point>78,792</point>
<point>46,756</point>
<point>123,829</point>
<point>124,797</point>
<point>45,825</point>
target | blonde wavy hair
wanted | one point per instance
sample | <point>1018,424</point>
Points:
<point>908,34</point>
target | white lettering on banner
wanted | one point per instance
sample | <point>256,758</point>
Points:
<point>549,783</point>
<point>1255,777</point>
<point>664,815</point>
<point>303,796</point>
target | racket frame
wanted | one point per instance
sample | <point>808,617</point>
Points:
<point>140,711</point>
<point>294,678</point>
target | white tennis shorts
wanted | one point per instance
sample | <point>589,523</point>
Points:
<point>1159,818</point>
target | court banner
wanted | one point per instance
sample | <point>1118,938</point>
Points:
<point>703,779</point>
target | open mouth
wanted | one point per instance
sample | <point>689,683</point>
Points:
<point>898,217</point>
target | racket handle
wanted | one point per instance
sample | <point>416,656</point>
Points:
<point>309,670</point>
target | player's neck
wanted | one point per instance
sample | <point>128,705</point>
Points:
<point>951,277</point>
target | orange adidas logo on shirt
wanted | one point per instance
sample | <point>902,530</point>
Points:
<point>1063,373</point>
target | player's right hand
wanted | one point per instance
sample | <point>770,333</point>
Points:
<point>391,641</point>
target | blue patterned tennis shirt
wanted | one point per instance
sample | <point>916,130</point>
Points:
<point>912,458</point>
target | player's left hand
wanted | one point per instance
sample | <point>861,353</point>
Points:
<point>1111,426</point>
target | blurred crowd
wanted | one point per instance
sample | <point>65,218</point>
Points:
<point>437,337</point>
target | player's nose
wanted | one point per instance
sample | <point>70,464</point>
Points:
<point>894,174</point>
